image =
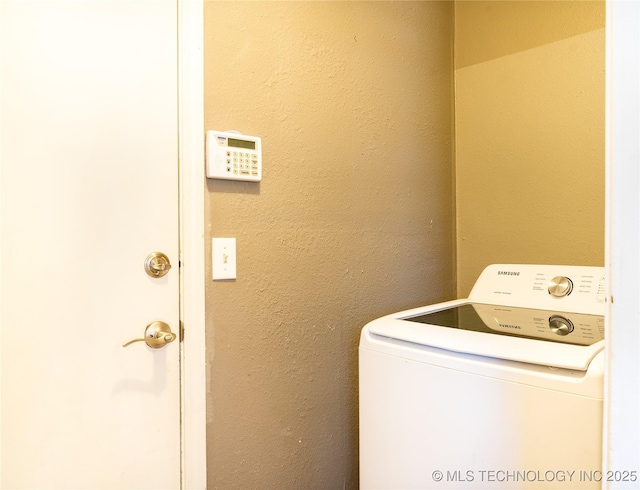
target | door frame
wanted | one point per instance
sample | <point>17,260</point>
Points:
<point>621,434</point>
<point>192,300</point>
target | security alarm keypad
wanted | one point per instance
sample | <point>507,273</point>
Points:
<point>233,156</point>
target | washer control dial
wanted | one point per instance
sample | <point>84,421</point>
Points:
<point>560,325</point>
<point>560,286</point>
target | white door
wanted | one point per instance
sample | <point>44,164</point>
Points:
<point>89,188</point>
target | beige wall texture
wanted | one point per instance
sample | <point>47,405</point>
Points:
<point>353,219</point>
<point>529,140</point>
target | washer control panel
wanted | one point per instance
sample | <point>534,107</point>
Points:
<point>579,289</point>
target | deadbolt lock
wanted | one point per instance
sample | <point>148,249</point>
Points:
<point>157,264</point>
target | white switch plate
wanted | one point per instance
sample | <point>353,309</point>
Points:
<point>223,255</point>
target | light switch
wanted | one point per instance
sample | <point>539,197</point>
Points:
<point>223,258</point>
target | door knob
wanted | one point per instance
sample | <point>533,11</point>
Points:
<point>156,335</point>
<point>157,264</point>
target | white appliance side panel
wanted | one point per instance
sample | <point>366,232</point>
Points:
<point>423,426</point>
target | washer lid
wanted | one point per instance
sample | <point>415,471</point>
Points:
<point>564,340</point>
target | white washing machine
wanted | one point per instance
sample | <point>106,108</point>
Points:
<point>503,390</point>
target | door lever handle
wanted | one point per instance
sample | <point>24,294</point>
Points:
<point>156,335</point>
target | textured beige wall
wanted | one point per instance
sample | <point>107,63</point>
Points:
<point>353,220</point>
<point>530,134</point>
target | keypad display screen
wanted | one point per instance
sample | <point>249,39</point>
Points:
<point>236,143</point>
